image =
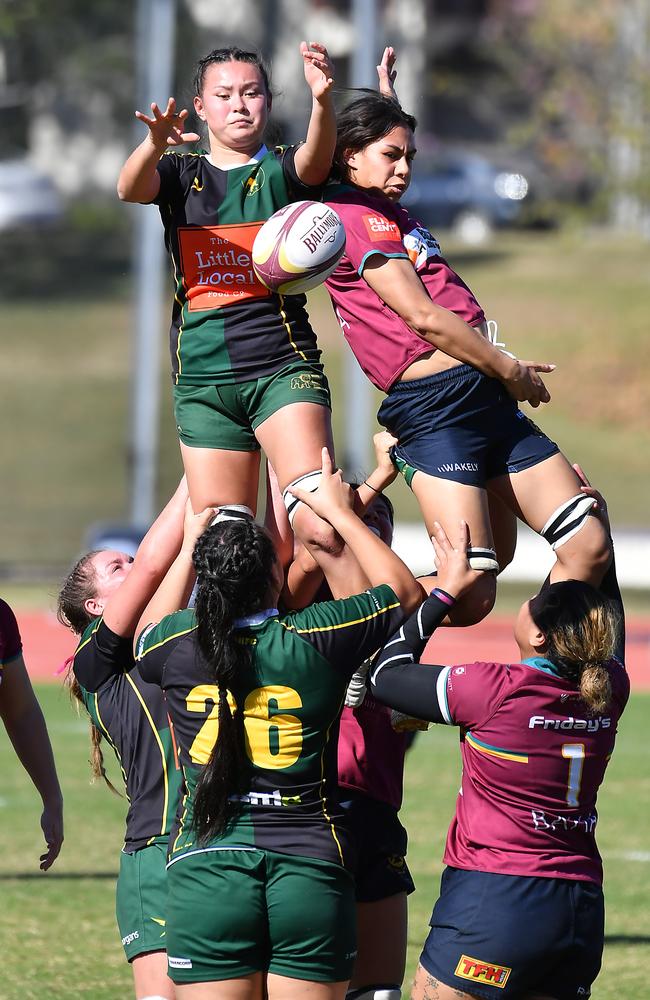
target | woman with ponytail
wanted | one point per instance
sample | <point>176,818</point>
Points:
<point>521,905</point>
<point>261,895</point>
<point>101,601</point>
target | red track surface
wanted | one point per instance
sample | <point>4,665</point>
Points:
<point>47,644</point>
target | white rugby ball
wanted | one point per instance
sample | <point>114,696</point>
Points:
<point>298,247</point>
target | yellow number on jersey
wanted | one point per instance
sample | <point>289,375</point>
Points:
<point>273,738</point>
<point>197,701</point>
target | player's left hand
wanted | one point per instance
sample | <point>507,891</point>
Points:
<point>387,73</point>
<point>600,504</point>
<point>318,67</point>
<point>195,524</point>
<point>383,441</point>
<point>455,575</point>
<point>52,827</point>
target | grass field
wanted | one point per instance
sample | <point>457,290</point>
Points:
<point>58,937</point>
<point>578,299</point>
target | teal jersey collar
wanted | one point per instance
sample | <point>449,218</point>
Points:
<point>541,663</point>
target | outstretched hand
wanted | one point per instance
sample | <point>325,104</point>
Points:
<point>387,73</point>
<point>332,495</point>
<point>166,127</point>
<point>455,575</point>
<point>318,67</point>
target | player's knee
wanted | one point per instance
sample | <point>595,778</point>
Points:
<point>309,483</point>
<point>476,603</point>
<point>316,533</point>
<point>589,554</point>
<point>579,539</point>
<point>374,993</point>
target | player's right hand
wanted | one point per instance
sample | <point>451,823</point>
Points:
<point>166,127</point>
<point>332,495</point>
<point>455,575</point>
<point>525,384</point>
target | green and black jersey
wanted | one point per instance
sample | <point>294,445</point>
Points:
<point>291,697</point>
<point>227,327</point>
<point>132,716</point>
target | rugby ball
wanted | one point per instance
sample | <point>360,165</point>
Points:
<point>298,247</point>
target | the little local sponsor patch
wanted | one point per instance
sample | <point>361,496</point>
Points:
<point>478,971</point>
<point>217,265</point>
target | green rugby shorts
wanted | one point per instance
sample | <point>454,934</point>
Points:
<point>236,911</point>
<point>141,900</point>
<point>226,416</point>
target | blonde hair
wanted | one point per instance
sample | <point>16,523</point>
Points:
<point>96,754</point>
<point>581,628</point>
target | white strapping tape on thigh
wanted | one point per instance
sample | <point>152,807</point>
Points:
<point>483,559</point>
<point>233,512</point>
<point>567,520</point>
<point>309,482</point>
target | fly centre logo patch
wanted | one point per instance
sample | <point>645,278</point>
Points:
<point>478,971</point>
<point>379,227</point>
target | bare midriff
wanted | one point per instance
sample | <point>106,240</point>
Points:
<point>435,361</point>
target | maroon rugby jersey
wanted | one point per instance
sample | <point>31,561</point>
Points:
<point>383,343</point>
<point>371,753</point>
<point>533,760</point>
<point>10,643</point>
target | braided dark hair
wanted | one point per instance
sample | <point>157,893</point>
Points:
<point>234,561</point>
<point>581,628</point>
<point>364,121</point>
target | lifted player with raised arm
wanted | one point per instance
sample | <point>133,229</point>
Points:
<point>246,368</point>
<point>422,337</point>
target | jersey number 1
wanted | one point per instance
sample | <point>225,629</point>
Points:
<point>575,753</point>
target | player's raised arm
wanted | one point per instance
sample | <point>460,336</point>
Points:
<point>333,501</point>
<point>139,180</point>
<point>314,158</point>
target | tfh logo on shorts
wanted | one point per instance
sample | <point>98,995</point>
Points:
<point>482,972</point>
<point>379,227</point>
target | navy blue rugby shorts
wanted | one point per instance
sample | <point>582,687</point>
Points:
<point>461,425</point>
<point>381,870</point>
<point>505,936</point>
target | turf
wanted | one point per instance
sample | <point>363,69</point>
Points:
<point>58,936</point>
